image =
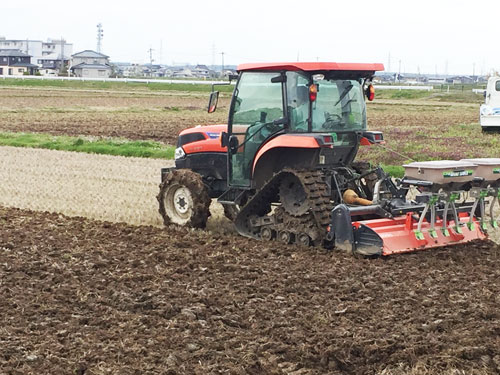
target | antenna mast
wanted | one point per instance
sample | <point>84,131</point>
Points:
<point>100,35</point>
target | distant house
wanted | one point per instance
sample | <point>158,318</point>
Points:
<point>90,64</point>
<point>182,73</point>
<point>52,64</point>
<point>460,79</point>
<point>437,79</point>
<point>203,71</point>
<point>15,63</point>
<point>152,70</point>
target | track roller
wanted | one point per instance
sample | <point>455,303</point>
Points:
<point>303,239</point>
<point>285,237</point>
<point>267,234</point>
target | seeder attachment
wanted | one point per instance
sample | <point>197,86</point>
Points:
<point>448,209</point>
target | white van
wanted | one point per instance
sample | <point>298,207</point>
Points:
<point>489,113</point>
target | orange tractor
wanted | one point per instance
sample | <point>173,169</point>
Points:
<point>284,169</point>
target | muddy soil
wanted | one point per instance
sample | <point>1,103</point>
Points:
<point>86,297</point>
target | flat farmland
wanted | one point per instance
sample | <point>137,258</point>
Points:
<point>419,129</point>
<point>133,115</point>
<point>91,283</point>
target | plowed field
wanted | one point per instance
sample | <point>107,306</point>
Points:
<point>86,297</point>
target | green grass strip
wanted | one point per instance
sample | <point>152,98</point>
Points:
<point>91,145</point>
<point>156,85</point>
<point>396,171</point>
<point>112,146</point>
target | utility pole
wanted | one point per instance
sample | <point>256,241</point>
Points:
<point>213,56</point>
<point>222,72</point>
<point>150,50</point>
<point>161,51</point>
<point>62,54</point>
<point>100,35</point>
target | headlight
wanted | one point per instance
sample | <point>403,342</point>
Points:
<point>486,110</point>
<point>179,153</point>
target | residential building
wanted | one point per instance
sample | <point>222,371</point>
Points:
<point>37,49</point>
<point>57,46</point>
<point>90,64</point>
<point>182,73</point>
<point>53,64</point>
<point>202,71</point>
<point>15,63</point>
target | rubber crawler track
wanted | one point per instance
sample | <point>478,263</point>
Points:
<point>317,195</point>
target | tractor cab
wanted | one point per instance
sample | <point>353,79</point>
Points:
<point>298,109</point>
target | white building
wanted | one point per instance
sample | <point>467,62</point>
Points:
<point>38,49</point>
<point>90,64</point>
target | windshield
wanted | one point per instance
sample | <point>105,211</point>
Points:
<point>257,99</point>
<point>339,106</point>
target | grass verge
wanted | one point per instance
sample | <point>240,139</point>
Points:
<point>92,145</point>
<point>156,85</point>
<point>396,171</point>
<point>112,146</point>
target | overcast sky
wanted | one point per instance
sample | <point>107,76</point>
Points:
<point>443,36</point>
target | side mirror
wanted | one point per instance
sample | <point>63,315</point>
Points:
<point>233,144</point>
<point>370,92</point>
<point>212,102</point>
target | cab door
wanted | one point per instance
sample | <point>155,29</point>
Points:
<point>256,114</point>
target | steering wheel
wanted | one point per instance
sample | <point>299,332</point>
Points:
<point>332,120</point>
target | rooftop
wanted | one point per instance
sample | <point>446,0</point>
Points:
<point>90,66</point>
<point>13,53</point>
<point>312,66</point>
<point>89,53</point>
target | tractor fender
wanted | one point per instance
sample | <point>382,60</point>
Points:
<point>286,150</point>
<point>277,159</point>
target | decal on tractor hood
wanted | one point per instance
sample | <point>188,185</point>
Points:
<point>212,135</point>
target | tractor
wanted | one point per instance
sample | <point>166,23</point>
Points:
<point>284,169</point>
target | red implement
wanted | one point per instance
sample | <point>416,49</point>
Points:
<point>400,234</point>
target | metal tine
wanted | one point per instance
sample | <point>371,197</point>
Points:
<point>479,194</point>
<point>432,229</point>
<point>455,214</point>
<point>444,228</point>
<point>495,193</point>
<point>431,204</point>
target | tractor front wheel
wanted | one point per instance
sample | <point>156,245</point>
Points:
<point>184,199</point>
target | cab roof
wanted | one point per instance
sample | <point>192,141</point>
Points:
<point>312,66</point>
